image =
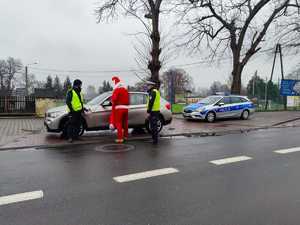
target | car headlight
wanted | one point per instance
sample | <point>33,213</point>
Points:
<point>202,109</point>
<point>54,114</point>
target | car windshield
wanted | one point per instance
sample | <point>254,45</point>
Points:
<point>210,100</point>
<point>99,99</point>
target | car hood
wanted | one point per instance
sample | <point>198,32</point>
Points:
<point>195,106</point>
<point>58,109</point>
<point>64,108</point>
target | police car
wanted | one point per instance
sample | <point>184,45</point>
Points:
<point>215,107</point>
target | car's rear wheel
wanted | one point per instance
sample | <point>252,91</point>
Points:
<point>160,125</point>
<point>245,115</point>
<point>210,117</point>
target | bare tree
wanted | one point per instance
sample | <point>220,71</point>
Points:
<point>182,81</point>
<point>31,82</point>
<point>144,11</point>
<point>3,73</point>
<point>14,66</point>
<point>288,30</point>
<point>236,25</point>
<point>176,81</point>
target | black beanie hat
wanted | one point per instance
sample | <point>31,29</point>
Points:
<point>77,82</point>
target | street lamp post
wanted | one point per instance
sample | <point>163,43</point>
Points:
<point>26,77</point>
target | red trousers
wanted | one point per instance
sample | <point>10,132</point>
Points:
<point>121,122</point>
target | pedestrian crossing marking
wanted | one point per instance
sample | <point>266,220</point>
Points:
<point>230,160</point>
<point>288,150</point>
<point>144,175</point>
<point>21,197</point>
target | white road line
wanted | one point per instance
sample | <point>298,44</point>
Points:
<point>288,150</point>
<point>146,174</point>
<point>9,199</point>
<point>230,160</point>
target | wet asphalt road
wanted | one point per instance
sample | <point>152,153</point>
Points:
<point>79,188</point>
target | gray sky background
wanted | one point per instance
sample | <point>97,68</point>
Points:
<point>63,34</point>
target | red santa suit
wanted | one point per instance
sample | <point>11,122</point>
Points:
<point>119,113</point>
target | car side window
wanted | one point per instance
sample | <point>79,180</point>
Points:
<point>225,101</point>
<point>108,100</point>
<point>138,99</point>
<point>235,100</point>
<point>243,100</point>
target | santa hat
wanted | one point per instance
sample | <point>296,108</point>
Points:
<point>116,80</point>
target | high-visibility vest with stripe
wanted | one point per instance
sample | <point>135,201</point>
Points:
<point>156,104</point>
<point>76,103</point>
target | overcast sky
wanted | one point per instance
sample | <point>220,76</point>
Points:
<point>63,35</point>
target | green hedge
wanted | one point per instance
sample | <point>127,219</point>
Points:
<point>177,108</point>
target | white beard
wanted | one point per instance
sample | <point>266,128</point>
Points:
<point>119,85</point>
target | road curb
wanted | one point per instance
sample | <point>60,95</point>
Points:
<point>287,121</point>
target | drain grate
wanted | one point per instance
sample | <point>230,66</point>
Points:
<point>114,148</point>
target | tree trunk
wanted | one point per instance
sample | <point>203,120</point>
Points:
<point>1,82</point>
<point>236,85</point>
<point>154,65</point>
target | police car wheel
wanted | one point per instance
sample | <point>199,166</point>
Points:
<point>245,115</point>
<point>211,117</point>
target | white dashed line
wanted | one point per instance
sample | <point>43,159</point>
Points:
<point>146,174</point>
<point>9,199</point>
<point>288,150</point>
<point>230,160</point>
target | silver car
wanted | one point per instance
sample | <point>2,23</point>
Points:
<point>215,107</point>
<point>100,110</point>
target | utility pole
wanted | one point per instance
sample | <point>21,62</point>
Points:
<point>26,80</point>
<point>277,50</point>
<point>266,94</point>
<point>171,89</point>
<point>253,83</point>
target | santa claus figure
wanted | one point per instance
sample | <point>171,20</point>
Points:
<point>119,113</point>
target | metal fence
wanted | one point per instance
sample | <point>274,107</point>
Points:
<point>17,105</point>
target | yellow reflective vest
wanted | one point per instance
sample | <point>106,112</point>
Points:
<point>77,105</point>
<point>156,104</point>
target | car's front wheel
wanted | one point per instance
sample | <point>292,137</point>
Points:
<point>210,117</point>
<point>160,124</point>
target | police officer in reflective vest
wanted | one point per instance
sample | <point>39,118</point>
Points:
<point>74,102</point>
<point>153,109</point>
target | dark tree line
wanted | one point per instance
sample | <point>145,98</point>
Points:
<point>258,88</point>
<point>60,89</point>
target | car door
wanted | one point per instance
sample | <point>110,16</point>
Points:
<point>237,106</point>
<point>99,118</point>
<point>223,107</point>
<point>137,110</point>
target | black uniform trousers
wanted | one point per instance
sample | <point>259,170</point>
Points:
<point>74,123</point>
<point>154,118</point>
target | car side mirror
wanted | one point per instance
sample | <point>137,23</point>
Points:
<point>106,104</point>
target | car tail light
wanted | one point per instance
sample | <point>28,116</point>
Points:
<point>168,106</point>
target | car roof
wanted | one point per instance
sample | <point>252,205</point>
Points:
<point>242,96</point>
<point>130,92</point>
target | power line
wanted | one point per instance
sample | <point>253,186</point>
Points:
<point>83,71</point>
<point>135,70</point>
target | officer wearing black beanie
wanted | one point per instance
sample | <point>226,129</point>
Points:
<point>74,102</point>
